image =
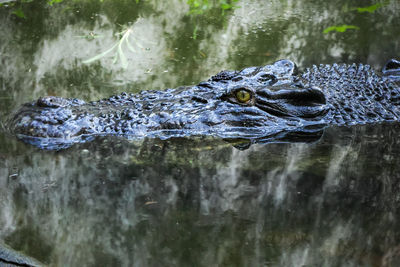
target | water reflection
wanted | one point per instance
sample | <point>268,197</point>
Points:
<point>180,202</point>
<point>199,201</point>
<point>48,57</point>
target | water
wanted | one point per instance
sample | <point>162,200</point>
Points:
<point>201,201</point>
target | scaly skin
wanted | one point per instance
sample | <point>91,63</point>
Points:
<point>10,257</point>
<point>282,105</point>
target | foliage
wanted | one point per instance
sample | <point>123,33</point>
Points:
<point>340,28</point>
<point>13,2</point>
<point>51,2</point>
<point>198,7</point>
<point>124,39</point>
<point>118,48</point>
<point>369,9</point>
<point>344,27</point>
<point>19,13</point>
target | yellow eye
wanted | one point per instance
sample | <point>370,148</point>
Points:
<point>242,95</point>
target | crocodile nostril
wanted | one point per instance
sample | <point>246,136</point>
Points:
<point>51,102</point>
<point>298,84</point>
<point>237,79</point>
<point>265,77</point>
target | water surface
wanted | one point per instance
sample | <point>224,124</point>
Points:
<point>200,201</point>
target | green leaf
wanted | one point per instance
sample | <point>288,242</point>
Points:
<point>51,2</point>
<point>19,13</point>
<point>124,62</point>
<point>139,45</point>
<point>340,28</point>
<point>369,9</point>
<point>100,55</point>
<point>194,36</point>
<point>130,47</point>
<point>197,6</point>
<point>226,6</point>
<point>115,58</point>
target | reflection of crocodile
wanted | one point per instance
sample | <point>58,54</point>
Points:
<point>9,257</point>
<point>273,102</point>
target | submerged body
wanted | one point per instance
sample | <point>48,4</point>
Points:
<point>273,103</point>
<point>11,258</point>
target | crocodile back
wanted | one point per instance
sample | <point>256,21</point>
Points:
<point>355,93</point>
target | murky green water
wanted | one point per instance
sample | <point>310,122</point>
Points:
<point>194,202</point>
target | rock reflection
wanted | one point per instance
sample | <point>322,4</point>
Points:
<point>203,202</point>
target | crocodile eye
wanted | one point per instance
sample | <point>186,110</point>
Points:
<point>242,95</point>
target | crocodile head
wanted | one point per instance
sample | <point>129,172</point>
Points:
<point>252,103</point>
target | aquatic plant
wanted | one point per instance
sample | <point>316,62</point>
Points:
<point>341,28</point>
<point>369,9</point>
<point>118,49</point>
<point>200,6</point>
<point>345,27</point>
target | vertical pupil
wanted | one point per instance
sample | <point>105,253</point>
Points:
<point>242,96</point>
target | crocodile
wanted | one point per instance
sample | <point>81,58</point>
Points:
<point>272,103</point>
<point>11,258</point>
